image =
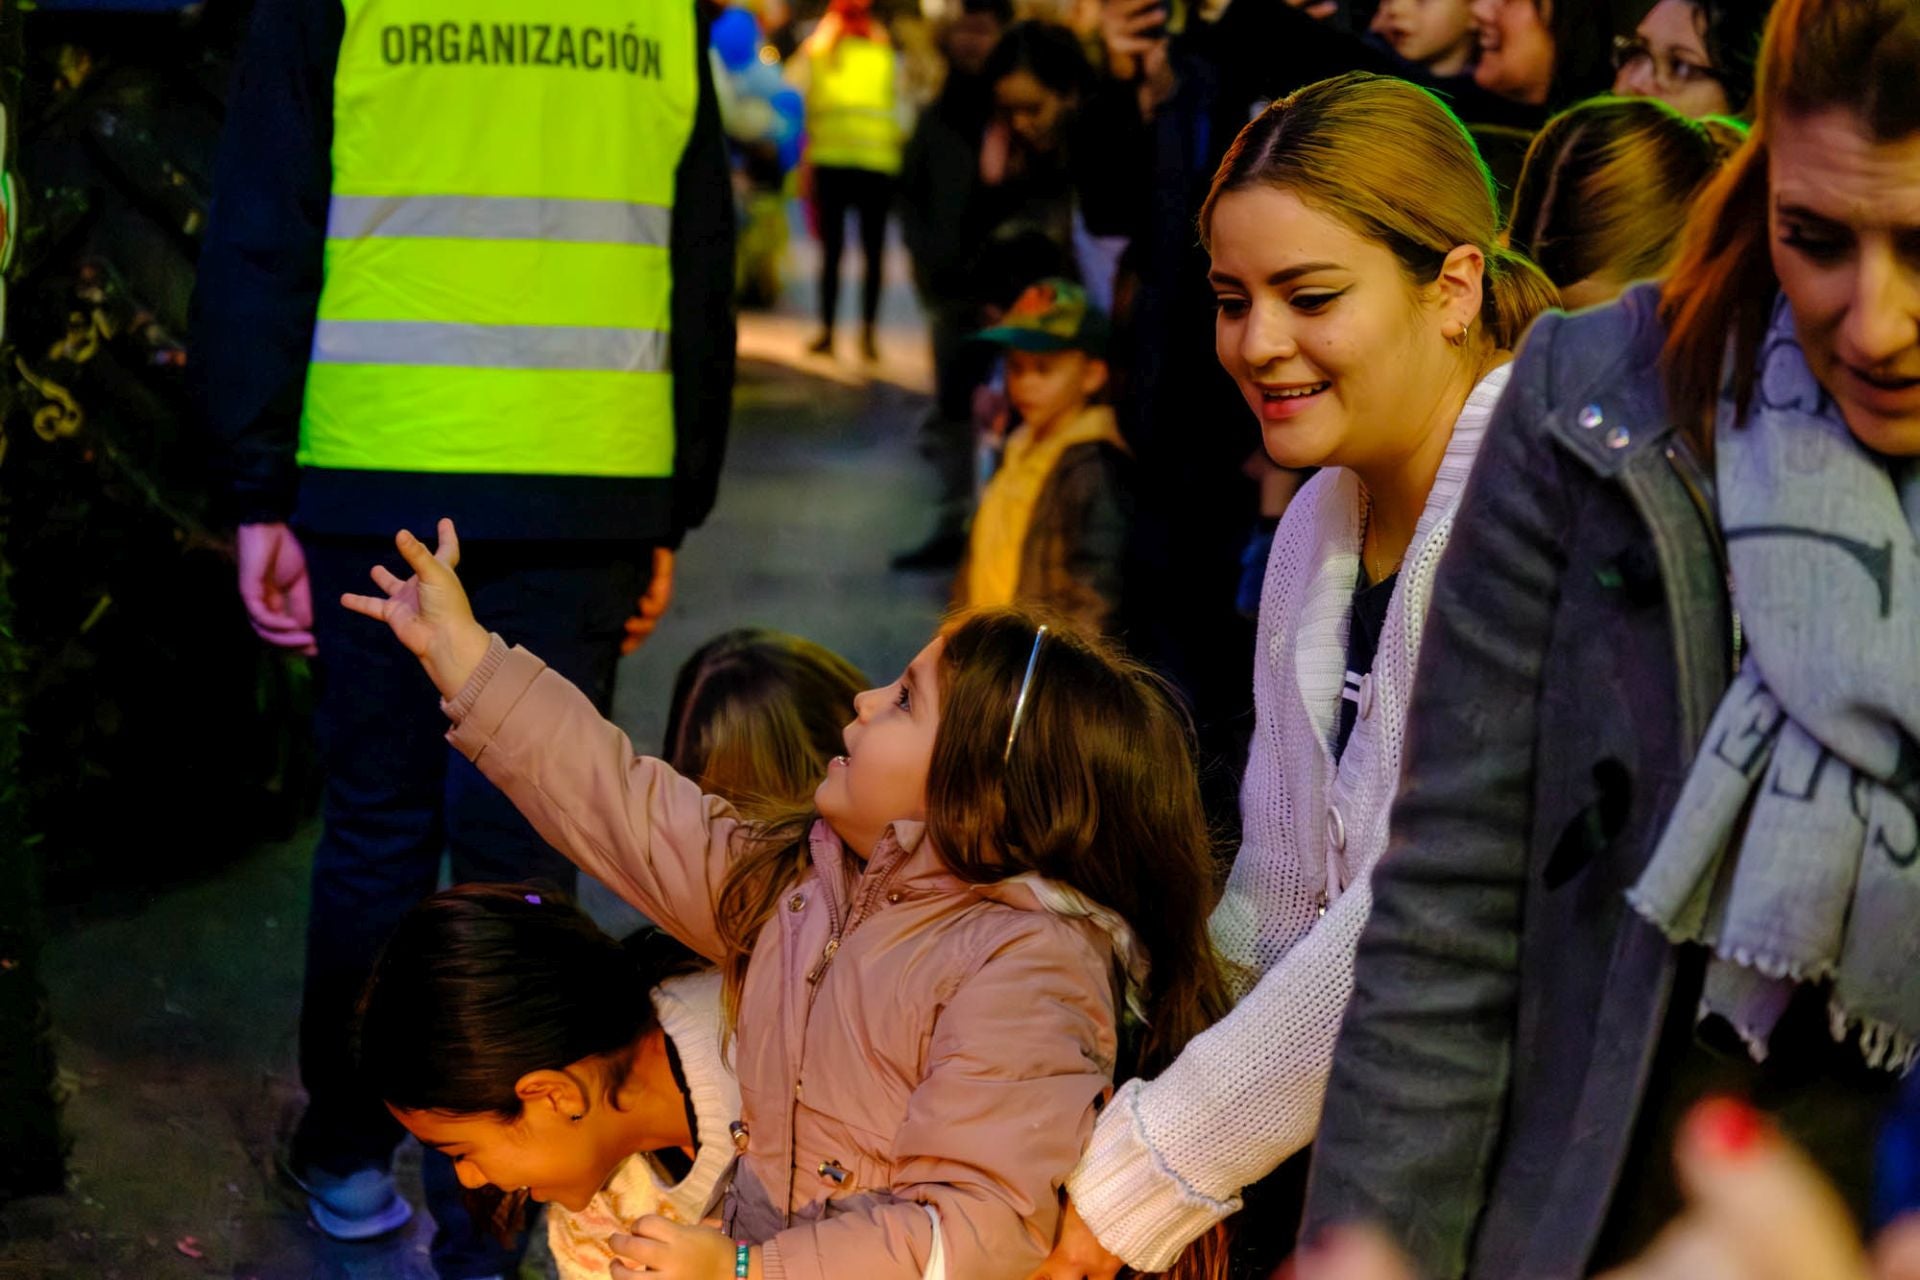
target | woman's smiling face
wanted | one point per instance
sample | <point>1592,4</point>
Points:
<point>1338,355</point>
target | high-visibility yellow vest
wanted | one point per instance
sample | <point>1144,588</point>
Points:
<point>851,120</point>
<point>498,286</point>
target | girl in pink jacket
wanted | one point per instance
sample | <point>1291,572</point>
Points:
<point>929,971</point>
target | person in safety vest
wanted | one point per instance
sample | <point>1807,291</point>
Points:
<point>470,260</point>
<point>853,148</point>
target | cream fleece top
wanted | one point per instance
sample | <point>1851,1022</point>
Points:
<point>689,1012</point>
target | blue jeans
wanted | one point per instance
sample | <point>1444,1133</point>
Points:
<point>397,796</point>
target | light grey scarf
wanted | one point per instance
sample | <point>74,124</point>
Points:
<point>1791,852</point>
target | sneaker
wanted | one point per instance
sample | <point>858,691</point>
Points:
<point>822,345</point>
<point>354,1206</point>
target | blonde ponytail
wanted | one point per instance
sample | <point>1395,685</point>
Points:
<point>1512,296</point>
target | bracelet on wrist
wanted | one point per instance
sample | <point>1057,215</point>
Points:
<point>742,1259</point>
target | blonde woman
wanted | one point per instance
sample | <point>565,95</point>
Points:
<point>1368,313</point>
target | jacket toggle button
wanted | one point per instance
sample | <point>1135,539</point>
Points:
<point>740,1133</point>
<point>832,1171</point>
<point>1366,695</point>
<point>894,896</point>
<point>797,902</point>
<point>1336,830</point>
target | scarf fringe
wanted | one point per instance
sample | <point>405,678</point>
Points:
<point>1883,1045</point>
<point>1766,963</point>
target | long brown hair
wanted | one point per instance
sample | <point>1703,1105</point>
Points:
<point>1101,793</point>
<point>1607,186</point>
<point>1390,161</point>
<point>1859,56</point>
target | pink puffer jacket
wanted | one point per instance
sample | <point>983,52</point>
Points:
<point>906,1039</point>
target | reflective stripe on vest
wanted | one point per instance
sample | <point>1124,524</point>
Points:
<point>850,107</point>
<point>498,289</point>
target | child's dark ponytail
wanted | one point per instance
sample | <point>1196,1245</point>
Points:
<point>481,984</point>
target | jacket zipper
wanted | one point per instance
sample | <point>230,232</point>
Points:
<point>860,911</point>
<point>1680,458</point>
<point>814,975</point>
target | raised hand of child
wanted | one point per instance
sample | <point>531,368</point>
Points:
<point>429,612</point>
<point>659,1248</point>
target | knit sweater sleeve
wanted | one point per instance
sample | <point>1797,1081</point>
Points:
<point>1170,1156</point>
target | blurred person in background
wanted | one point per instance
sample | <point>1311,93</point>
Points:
<point>1650,847</point>
<point>1051,530</point>
<point>851,77</point>
<point>1694,55</point>
<point>1544,53</point>
<point>1030,154</point>
<point>1606,191</point>
<point>1437,36</point>
<point>763,117</point>
<point>940,216</point>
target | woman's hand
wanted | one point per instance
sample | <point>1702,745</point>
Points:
<point>1078,1253</point>
<point>659,1248</point>
<point>429,611</point>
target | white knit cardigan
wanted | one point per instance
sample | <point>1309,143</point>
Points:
<point>1169,1157</point>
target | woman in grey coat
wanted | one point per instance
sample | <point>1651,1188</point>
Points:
<point>1656,835</point>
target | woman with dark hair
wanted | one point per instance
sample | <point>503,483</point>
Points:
<point>1543,53</point>
<point>1039,78</point>
<point>1656,833</point>
<point>1606,189</point>
<point>1696,56</point>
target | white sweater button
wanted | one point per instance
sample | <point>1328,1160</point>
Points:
<point>1336,830</point>
<point>1366,695</point>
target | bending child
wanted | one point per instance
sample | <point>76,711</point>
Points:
<point>505,1030</point>
<point>927,968</point>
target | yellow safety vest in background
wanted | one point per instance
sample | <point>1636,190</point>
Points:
<point>851,120</point>
<point>498,285</point>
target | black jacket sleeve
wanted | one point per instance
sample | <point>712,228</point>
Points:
<point>259,274</point>
<point>1412,1121</point>
<point>703,323</point>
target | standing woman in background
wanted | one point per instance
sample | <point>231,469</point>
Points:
<point>1656,834</point>
<point>854,141</point>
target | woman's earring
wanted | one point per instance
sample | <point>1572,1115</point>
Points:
<point>575,1119</point>
<point>1459,336</point>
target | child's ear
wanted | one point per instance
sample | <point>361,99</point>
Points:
<point>558,1095</point>
<point>1093,379</point>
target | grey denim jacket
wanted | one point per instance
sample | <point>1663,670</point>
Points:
<point>1508,1003</point>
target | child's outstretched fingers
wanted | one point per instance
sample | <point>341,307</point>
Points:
<point>1763,1197</point>
<point>429,612</point>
